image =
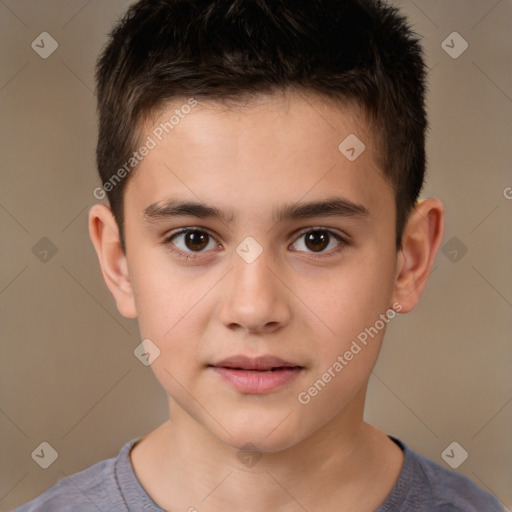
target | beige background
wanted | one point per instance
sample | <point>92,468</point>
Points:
<point>68,373</point>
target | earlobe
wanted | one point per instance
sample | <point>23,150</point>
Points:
<point>420,241</point>
<point>105,237</point>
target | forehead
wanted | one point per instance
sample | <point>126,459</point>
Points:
<point>269,150</point>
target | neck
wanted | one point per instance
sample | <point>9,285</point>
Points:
<point>337,462</point>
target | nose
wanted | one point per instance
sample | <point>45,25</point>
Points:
<point>255,299</point>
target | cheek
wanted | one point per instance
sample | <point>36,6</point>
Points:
<point>352,298</point>
<point>170,307</point>
<point>165,293</point>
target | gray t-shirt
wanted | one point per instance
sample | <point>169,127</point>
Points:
<point>111,486</point>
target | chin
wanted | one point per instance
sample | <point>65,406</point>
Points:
<point>256,432</point>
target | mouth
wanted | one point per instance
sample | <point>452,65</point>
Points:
<point>256,375</point>
<point>256,364</point>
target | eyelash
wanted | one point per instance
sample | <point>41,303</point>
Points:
<point>193,256</point>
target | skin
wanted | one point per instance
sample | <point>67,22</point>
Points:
<point>290,303</point>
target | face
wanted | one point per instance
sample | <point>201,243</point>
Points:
<point>289,253</point>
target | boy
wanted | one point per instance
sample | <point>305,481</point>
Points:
<point>286,140</point>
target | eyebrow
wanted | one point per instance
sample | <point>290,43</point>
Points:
<point>332,207</point>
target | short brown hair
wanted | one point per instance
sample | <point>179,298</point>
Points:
<point>360,51</point>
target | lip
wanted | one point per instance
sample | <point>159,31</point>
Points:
<point>256,375</point>
<point>261,363</point>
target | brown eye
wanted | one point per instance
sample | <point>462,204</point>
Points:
<point>196,240</point>
<point>191,241</point>
<point>318,240</point>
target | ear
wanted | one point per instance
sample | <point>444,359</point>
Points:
<point>105,237</point>
<point>422,236</point>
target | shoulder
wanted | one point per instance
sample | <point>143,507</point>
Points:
<point>94,488</point>
<point>431,487</point>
